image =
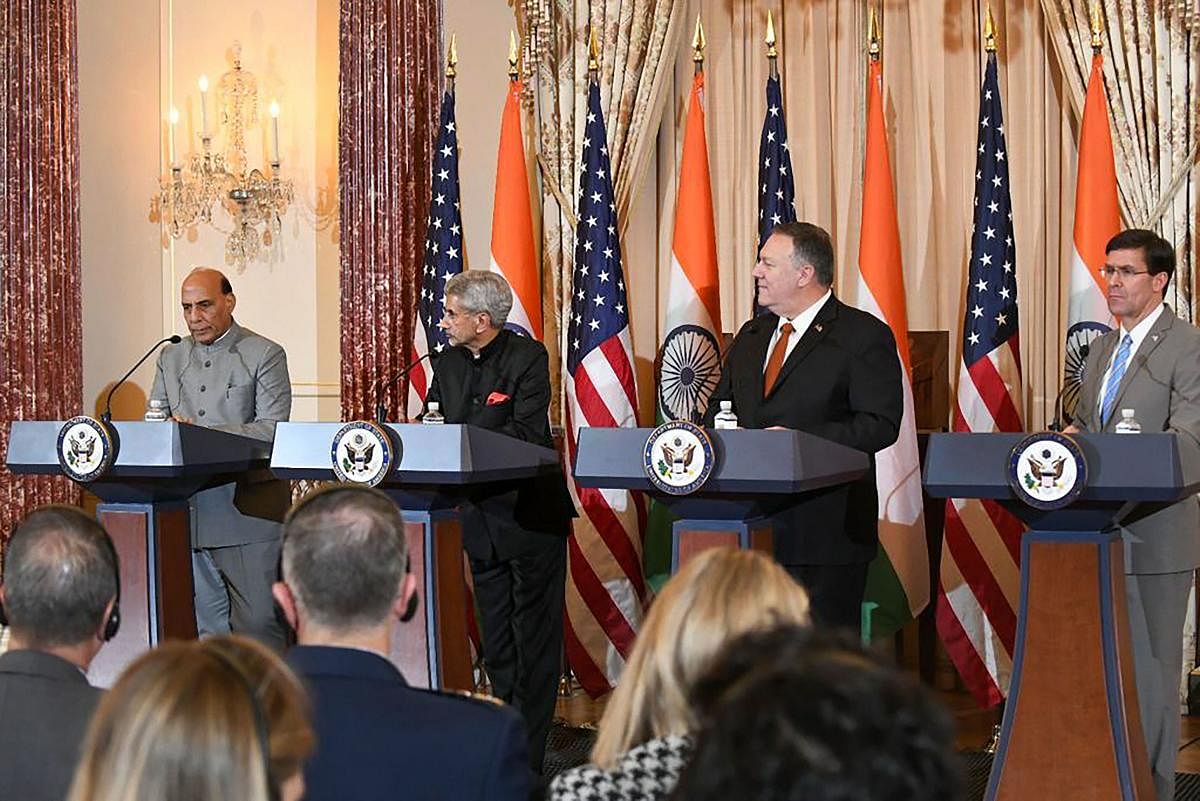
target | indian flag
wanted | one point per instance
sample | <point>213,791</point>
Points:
<point>513,254</point>
<point>690,356</point>
<point>1097,220</point>
<point>898,581</point>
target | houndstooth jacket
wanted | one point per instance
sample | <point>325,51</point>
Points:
<point>648,772</point>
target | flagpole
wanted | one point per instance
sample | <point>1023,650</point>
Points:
<point>698,45</point>
<point>769,41</point>
<point>452,62</point>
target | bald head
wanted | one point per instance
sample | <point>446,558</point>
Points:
<point>208,300</point>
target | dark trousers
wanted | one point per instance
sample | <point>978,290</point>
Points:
<point>520,602</point>
<point>835,593</point>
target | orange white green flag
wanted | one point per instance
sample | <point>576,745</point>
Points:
<point>898,581</point>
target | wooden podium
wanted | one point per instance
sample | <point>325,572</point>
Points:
<point>1071,725</point>
<point>144,508</point>
<point>757,473</point>
<point>435,463</point>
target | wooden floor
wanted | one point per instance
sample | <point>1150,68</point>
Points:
<point>975,725</point>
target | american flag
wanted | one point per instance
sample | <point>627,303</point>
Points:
<point>606,590</point>
<point>776,188</point>
<point>443,255</point>
<point>980,567</point>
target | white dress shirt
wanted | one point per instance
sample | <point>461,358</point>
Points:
<point>800,324</point>
<point>1137,335</point>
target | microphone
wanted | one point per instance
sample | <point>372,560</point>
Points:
<point>381,386</point>
<point>1057,424</point>
<point>174,339</point>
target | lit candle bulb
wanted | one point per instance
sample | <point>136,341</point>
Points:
<point>274,132</point>
<point>174,117</point>
<point>204,105</point>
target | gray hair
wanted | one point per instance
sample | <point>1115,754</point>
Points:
<point>344,556</point>
<point>60,572</point>
<point>483,292</point>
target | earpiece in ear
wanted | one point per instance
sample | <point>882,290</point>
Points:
<point>410,611</point>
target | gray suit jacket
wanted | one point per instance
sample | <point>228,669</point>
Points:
<point>1162,386</point>
<point>238,384</point>
<point>45,707</point>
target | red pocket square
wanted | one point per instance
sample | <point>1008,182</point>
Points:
<point>497,398</point>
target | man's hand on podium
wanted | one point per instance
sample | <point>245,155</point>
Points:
<point>1071,429</point>
<point>180,419</point>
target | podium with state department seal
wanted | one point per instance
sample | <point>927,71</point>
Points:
<point>427,470</point>
<point>144,473</point>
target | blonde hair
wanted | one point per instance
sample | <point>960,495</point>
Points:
<point>719,594</point>
<point>187,720</point>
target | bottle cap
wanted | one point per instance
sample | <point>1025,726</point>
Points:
<point>434,406</point>
<point>1127,413</point>
<point>726,406</point>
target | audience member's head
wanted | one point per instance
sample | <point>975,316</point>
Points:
<point>60,586</point>
<point>719,594</point>
<point>345,565</point>
<point>209,720</point>
<point>798,713</point>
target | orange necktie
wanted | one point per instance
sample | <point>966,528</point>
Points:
<point>775,363</point>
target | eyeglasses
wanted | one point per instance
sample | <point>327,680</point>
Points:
<point>1125,272</point>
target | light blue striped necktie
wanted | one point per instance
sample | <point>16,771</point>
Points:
<point>1114,379</point>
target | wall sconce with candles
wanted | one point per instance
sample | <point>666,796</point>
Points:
<point>254,199</point>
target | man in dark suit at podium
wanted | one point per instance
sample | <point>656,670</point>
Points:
<point>815,364</point>
<point>59,597</point>
<point>1150,364</point>
<point>228,377</point>
<point>515,534</point>
<point>346,581</point>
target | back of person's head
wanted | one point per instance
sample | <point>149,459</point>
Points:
<point>798,713</point>
<point>345,557</point>
<point>719,594</point>
<point>60,575</point>
<point>208,720</point>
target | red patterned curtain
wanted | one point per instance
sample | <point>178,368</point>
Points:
<point>391,79</point>
<point>41,317</point>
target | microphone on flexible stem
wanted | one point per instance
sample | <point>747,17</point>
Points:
<point>382,386</point>
<point>1057,424</point>
<point>174,339</point>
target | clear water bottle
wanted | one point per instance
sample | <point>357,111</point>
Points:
<point>725,418</point>
<point>156,411</point>
<point>1127,425</point>
<point>433,414</point>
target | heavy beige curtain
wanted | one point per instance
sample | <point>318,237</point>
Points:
<point>1151,69</point>
<point>933,60</point>
<point>637,40</point>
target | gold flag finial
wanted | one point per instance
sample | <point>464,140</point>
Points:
<point>770,40</point>
<point>873,35</point>
<point>1097,27</point>
<point>698,42</point>
<point>989,31</point>
<point>513,72</point>
<point>593,51</point>
<point>452,56</point>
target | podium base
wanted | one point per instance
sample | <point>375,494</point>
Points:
<point>689,537</point>
<point>153,542</point>
<point>1071,725</point>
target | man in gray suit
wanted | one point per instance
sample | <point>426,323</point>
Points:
<point>1150,364</point>
<point>59,598</point>
<point>229,378</point>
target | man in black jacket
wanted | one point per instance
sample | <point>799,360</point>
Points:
<point>514,533</point>
<point>815,364</point>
